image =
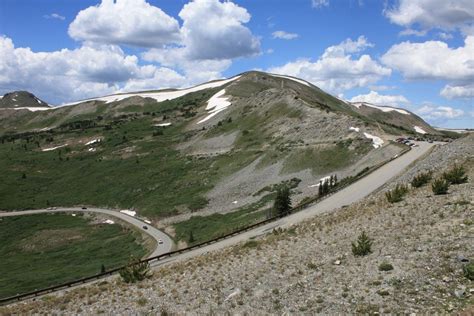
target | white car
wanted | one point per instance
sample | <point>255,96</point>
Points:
<point>160,241</point>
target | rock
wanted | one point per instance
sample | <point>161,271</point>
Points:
<point>231,295</point>
<point>461,258</point>
<point>460,292</point>
<point>337,262</point>
<point>446,279</point>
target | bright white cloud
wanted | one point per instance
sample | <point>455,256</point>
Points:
<point>433,112</point>
<point>338,69</point>
<point>125,22</point>
<point>380,99</point>
<point>436,61</point>
<point>455,92</point>
<point>428,14</point>
<point>54,16</point>
<point>214,30</point>
<point>69,75</point>
<point>284,35</point>
<point>319,3</point>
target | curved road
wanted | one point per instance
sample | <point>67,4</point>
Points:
<point>156,234</point>
<point>353,193</point>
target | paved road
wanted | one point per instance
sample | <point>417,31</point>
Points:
<point>155,233</point>
<point>346,196</point>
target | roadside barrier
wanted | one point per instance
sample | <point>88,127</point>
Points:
<point>55,288</point>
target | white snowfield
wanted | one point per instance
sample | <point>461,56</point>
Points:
<point>381,108</point>
<point>217,103</point>
<point>162,124</point>
<point>98,140</point>
<point>419,130</point>
<point>159,96</point>
<point>355,129</point>
<point>128,212</point>
<point>53,148</point>
<point>291,78</point>
<point>322,180</point>
<point>376,141</point>
<point>32,109</point>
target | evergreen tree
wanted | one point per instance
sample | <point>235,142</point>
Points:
<point>282,204</point>
<point>191,237</point>
<point>102,268</point>
<point>326,187</point>
<point>320,188</point>
<point>335,179</point>
<point>363,246</point>
<point>331,181</point>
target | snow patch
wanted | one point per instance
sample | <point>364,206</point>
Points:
<point>381,108</point>
<point>419,130</point>
<point>109,221</point>
<point>53,148</point>
<point>217,103</point>
<point>14,99</point>
<point>235,202</point>
<point>162,124</point>
<point>33,109</point>
<point>98,140</point>
<point>91,149</point>
<point>322,180</point>
<point>39,101</point>
<point>356,129</point>
<point>73,215</point>
<point>294,79</point>
<point>128,212</point>
<point>159,96</point>
<point>376,141</point>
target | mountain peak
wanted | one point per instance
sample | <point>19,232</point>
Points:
<point>22,100</point>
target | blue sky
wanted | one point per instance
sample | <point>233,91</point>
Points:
<point>417,54</point>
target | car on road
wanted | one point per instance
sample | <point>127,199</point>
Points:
<point>145,227</point>
<point>160,241</point>
<point>84,208</point>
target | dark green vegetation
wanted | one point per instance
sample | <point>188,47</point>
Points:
<point>42,250</point>
<point>135,271</point>
<point>363,245</point>
<point>456,175</point>
<point>385,266</point>
<point>396,195</point>
<point>440,186</point>
<point>468,271</point>
<point>282,204</point>
<point>421,179</point>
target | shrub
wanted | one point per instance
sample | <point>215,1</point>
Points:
<point>135,271</point>
<point>385,266</point>
<point>363,246</point>
<point>468,271</point>
<point>421,179</point>
<point>440,186</point>
<point>396,195</point>
<point>456,175</point>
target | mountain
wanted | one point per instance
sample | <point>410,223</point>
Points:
<point>205,160</point>
<point>22,100</point>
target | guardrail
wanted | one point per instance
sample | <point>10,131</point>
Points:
<point>33,294</point>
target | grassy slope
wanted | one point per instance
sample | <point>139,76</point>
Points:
<point>38,251</point>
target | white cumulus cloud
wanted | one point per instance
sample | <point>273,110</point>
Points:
<point>380,99</point>
<point>55,16</point>
<point>428,14</point>
<point>215,30</point>
<point>125,22</point>
<point>338,68</point>
<point>439,112</point>
<point>69,75</point>
<point>284,35</point>
<point>435,60</point>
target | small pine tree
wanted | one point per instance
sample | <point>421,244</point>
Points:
<point>421,179</point>
<point>440,186</point>
<point>191,237</point>
<point>282,205</point>
<point>135,271</point>
<point>335,179</point>
<point>23,176</point>
<point>456,175</point>
<point>331,181</point>
<point>363,246</point>
<point>326,187</point>
<point>102,269</point>
<point>320,188</point>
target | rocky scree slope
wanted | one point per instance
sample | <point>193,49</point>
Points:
<point>309,268</point>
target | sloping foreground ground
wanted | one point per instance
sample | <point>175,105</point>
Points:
<point>310,268</point>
